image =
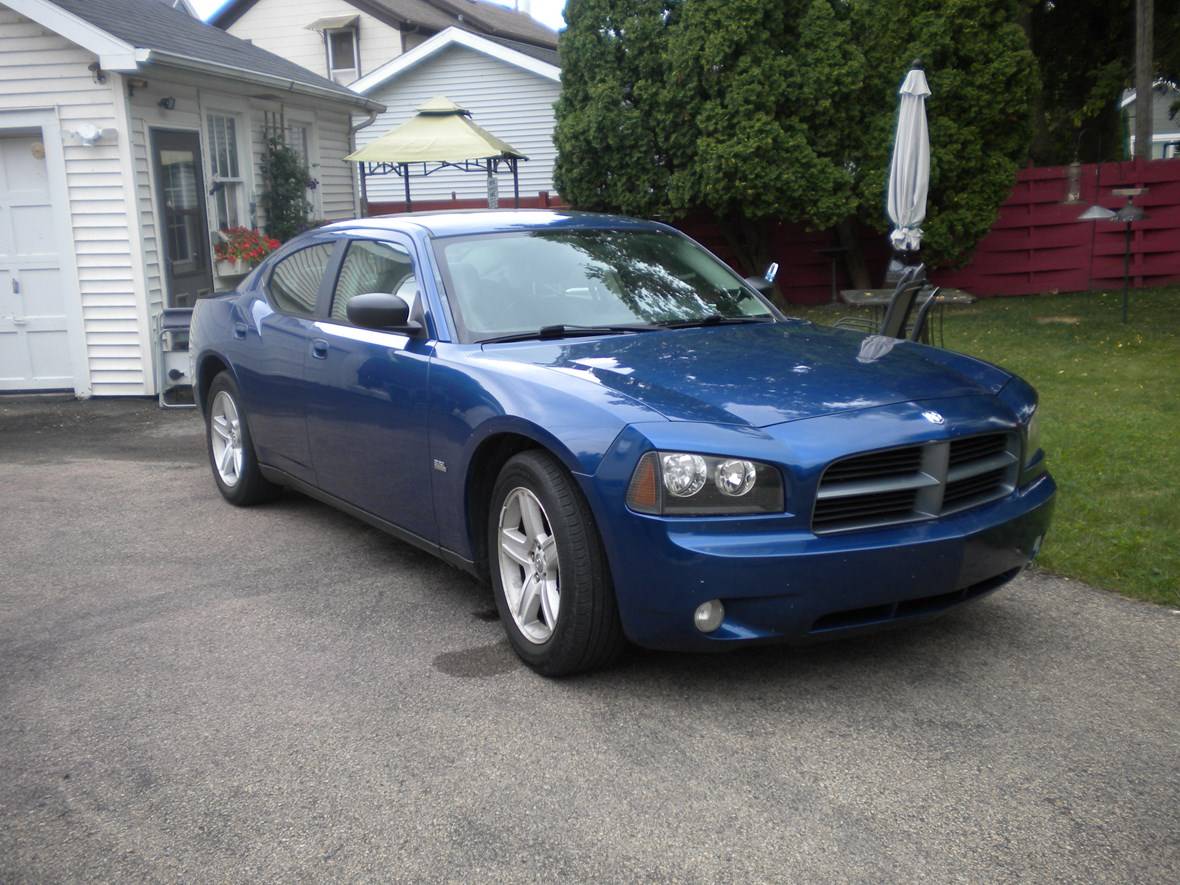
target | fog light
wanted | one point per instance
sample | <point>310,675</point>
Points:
<point>709,615</point>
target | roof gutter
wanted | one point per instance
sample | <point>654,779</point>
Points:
<point>284,84</point>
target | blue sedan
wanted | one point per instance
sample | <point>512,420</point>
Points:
<point>624,437</point>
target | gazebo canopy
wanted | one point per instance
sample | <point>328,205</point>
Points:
<point>441,132</point>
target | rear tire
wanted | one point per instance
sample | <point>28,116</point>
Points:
<point>231,450</point>
<point>549,572</point>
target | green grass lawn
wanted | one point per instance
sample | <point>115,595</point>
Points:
<point>1110,403</point>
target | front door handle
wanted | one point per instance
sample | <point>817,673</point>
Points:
<point>319,348</point>
<point>240,330</point>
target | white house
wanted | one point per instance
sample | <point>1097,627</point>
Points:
<point>498,63</point>
<point>1165,124</point>
<point>129,132</point>
<point>348,39</point>
<point>509,93</point>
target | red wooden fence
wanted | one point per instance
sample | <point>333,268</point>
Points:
<point>1037,244</point>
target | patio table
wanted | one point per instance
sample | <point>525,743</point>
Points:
<point>878,300</point>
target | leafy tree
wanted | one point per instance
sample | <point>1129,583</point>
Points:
<point>762,111</point>
<point>1085,50</point>
<point>982,77</point>
<point>764,86</point>
<point>613,118</point>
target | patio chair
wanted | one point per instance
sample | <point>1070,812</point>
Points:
<point>919,327</point>
<point>897,315</point>
<point>897,312</point>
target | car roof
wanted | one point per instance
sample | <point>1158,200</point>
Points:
<point>460,222</point>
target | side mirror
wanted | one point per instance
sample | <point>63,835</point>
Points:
<point>765,283</point>
<point>381,310</point>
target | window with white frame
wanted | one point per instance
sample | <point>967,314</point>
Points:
<point>228,185</point>
<point>344,63</point>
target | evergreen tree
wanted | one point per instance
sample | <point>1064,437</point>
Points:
<point>762,111</point>
<point>612,117</point>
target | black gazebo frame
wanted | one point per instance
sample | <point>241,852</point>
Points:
<point>488,165</point>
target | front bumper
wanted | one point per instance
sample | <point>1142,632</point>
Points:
<point>796,586</point>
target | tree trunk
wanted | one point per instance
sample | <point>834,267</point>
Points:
<point>1144,92</point>
<point>854,256</point>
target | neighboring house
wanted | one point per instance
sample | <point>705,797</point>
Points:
<point>129,132</point>
<point>510,93</point>
<point>1165,126</point>
<point>347,39</point>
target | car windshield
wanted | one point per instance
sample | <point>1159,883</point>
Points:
<point>525,281</point>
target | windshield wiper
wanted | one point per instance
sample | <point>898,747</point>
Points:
<point>566,330</point>
<point>716,319</point>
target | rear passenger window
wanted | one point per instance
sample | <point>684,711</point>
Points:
<point>295,281</point>
<point>373,267</point>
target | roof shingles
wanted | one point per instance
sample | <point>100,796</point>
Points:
<point>152,25</point>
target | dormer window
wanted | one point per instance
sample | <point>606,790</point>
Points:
<point>341,47</point>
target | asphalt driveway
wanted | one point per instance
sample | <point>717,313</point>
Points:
<point>191,691</point>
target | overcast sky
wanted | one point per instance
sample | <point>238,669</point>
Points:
<point>547,11</point>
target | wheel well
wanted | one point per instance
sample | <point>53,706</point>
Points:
<point>211,365</point>
<point>491,456</point>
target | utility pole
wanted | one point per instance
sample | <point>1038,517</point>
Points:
<point>1144,94</point>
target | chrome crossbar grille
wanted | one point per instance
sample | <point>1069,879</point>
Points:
<point>915,482</point>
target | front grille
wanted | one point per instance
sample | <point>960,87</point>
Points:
<point>887,505</point>
<point>915,482</point>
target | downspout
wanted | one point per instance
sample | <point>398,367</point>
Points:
<point>352,131</point>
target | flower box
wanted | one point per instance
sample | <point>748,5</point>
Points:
<point>238,249</point>
<point>237,268</point>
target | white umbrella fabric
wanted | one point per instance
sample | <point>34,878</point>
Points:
<point>909,174</point>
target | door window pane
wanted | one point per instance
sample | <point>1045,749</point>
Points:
<point>373,267</point>
<point>295,281</point>
<point>179,181</point>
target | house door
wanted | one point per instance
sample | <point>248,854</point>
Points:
<point>180,195</point>
<point>34,337</point>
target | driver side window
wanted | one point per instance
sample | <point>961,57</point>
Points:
<point>373,267</point>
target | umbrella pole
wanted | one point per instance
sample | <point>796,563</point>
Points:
<point>364,193</point>
<point>515,183</point>
<point>406,183</point>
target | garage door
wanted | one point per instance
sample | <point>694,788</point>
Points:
<point>34,343</point>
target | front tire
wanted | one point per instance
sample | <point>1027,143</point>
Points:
<point>231,450</point>
<point>549,571</point>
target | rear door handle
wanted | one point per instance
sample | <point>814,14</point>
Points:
<point>240,330</point>
<point>319,348</point>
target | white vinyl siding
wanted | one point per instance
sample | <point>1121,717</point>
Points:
<point>280,26</point>
<point>337,193</point>
<point>109,186</point>
<point>511,103</point>
<point>39,69</point>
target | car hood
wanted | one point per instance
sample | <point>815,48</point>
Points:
<point>760,374</point>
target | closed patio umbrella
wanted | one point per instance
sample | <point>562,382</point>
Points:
<point>909,174</point>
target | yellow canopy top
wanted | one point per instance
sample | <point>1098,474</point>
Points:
<point>441,131</point>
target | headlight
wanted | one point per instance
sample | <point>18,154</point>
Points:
<point>681,483</point>
<point>1032,437</point>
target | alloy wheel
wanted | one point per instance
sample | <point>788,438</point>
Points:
<point>529,567</point>
<point>225,438</point>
